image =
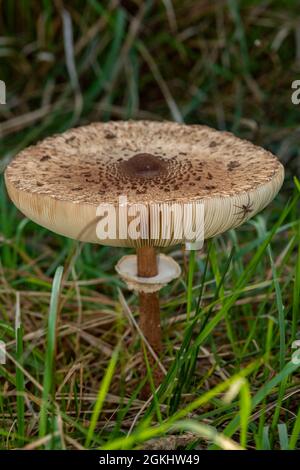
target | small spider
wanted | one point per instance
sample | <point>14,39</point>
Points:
<point>244,209</point>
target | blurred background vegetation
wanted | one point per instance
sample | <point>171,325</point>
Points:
<point>224,63</point>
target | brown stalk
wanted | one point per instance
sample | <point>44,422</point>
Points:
<point>150,313</point>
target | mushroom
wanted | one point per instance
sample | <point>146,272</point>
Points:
<point>144,185</point>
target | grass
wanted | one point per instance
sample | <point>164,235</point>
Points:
<point>48,382</point>
<point>73,354</point>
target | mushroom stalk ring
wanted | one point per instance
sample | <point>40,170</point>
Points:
<point>168,270</point>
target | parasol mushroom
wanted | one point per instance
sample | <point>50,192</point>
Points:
<point>145,185</point>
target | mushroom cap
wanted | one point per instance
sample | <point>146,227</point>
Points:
<point>60,182</point>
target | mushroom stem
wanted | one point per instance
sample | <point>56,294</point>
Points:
<point>147,261</point>
<point>149,307</point>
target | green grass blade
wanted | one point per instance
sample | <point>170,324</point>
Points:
<point>101,396</point>
<point>245,410</point>
<point>264,391</point>
<point>295,432</point>
<point>283,436</point>
<point>48,382</point>
<point>20,383</point>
